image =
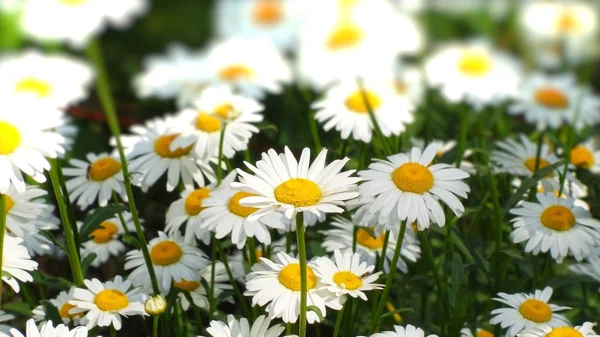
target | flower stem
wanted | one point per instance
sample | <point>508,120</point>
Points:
<point>232,280</point>
<point>211,293</point>
<point>94,53</point>
<point>113,331</point>
<point>382,139</point>
<point>436,276</point>
<point>220,157</point>
<point>66,223</point>
<point>303,277</point>
<point>314,131</point>
<point>251,251</point>
<point>3,215</point>
<point>155,326</point>
<point>338,322</point>
<point>462,139</point>
<point>120,214</point>
<point>390,278</point>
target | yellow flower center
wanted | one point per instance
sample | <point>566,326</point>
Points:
<point>484,333</point>
<point>530,164</point>
<point>188,286</point>
<point>358,103</point>
<point>162,147</point>
<point>236,72</point>
<point>536,310</point>
<point>567,23</point>
<point>581,156</point>
<point>103,169</point>
<point>10,138</point>
<point>347,280</point>
<point>8,203</point>
<point>564,331</point>
<point>365,239</point>
<point>33,85</point>
<point>64,311</point>
<point>268,12</point>
<point>558,217</point>
<point>346,34</point>
<point>224,111</point>
<point>105,232</point>
<point>239,210</point>
<point>73,2</point>
<point>193,202</point>
<point>298,192</point>
<point>475,63</point>
<point>413,177</point>
<point>400,87</point>
<point>552,98</point>
<point>165,253</point>
<point>111,300</point>
<point>208,123</point>
<point>289,277</point>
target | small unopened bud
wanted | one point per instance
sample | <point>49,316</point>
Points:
<point>155,305</point>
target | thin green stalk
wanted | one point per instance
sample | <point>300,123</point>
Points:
<point>379,262</point>
<point>120,214</point>
<point>232,280</point>
<point>155,326</point>
<point>380,137</point>
<point>113,331</point>
<point>68,202</point>
<point>338,322</point>
<point>354,231</point>
<point>67,228</point>
<point>288,329</point>
<point>390,278</point>
<point>563,176</point>
<point>251,251</point>
<point>303,274</point>
<point>3,215</point>
<point>220,158</point>
<point>462,139</point>
<point>436,276</point>
<point>538,155</point>
<point>498,228</point>
<point>314,131</point>
<point>211,293</point>
<point>94,53</point>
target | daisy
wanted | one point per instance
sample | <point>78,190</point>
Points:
<point>347,275</point>
<point>105,303</point>
<point>552,101</point>
<point>4,317</point>
<point>408,82</point>
<point>556,225</point>
<point>408,188</point>
<point>196,289</point>
<point>341,237</point>
<point>585,330</point>
<point>527,311</point>
<point>28,211</point>
<point>48,330</point>
<point>445,147</point>
<point>466,332</point>
<point>216,108</point>
<point>346,107</point>
<point>587,156</point>
<point>95,179</point>
<point>61,302</point>
<point>282,183</point>
<point>590,268</point>
<point>90,18</point>
<point>472,72</point>
<point>173,260</point>
<point>277,284</point>
<point>400,331</point>
<point>16,263</point>
<point>241,328</point>
<point>104,241</point>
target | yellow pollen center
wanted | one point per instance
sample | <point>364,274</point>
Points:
<point>413,177</point>
<point>347,280</point>
<point>33,85</point>
<point>289,277</point>
<point>567,23</point>
<point>298,192</point>
<point>224,111</point>
<point>581,156</point>
<point>64,311</point>
<point>165,253</point>
<point>484,333</point>
<point>564,331</point>
<point>105,232</point>
<point>10,138</point>
<point>530,164</point>
<point>558,217</point>
<point>103,169</point>
<point>536,310</point>
<point>73,2</point>
<point>268,12</point>
<point>239,210</point>
<point>552,98</point>
<point>475,63</point>
<point>346,34</point>
<point>235,72</point>
<point>365,239</point>
<point>162,147</point>
<point>193,202</point>
<point>357,102</point>
<point>188,286</point>
<point>111,300</point>
<point>8,203</point>
<point>208,123</point>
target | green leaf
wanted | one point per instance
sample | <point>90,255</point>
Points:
<point>514,253</point>
<point>559,281</point>
<point>48,235</point>
<point>87,261</point>
<point>51,312</point>
<point>20,308</point>
<point>93,220</point>
<point>397,311</point>
<point>316,311</point>
<point>131,240</point>
<point>50,281</point>
<point>456,278</point>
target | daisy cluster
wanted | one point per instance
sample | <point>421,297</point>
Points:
<point>382,168</point>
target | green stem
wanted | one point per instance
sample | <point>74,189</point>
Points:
<point>251,251</point>
<point>390,278</point>
<point>498,228</point>
<point>155,326</point>
<point>563,177</point>
<point>113,331</point>
<point>288,328</point>
<point>3,215</point>
<point>120,214</point>
<point>232,280</point>
<point>538,155</point>
<point>462,139</point>
<point>67,228</point>
<point>338,322</point>
<point>436,276</point>
<point>314,131</point>
<point>380,137</point>
<point>68,202</point>
<point>211,293</point>
<point>220,157</point>
<point>303,277</point>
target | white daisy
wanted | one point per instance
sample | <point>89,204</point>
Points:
<point>105,242</point>
<point>466,332</point>
<point>408,188</point>
<point>241,328</point>
<point>196,289</point>
<point>445,147</point>
<point>346,107</point>
<point>556,225</point>
<point>527,311</point>
<point>48,330</point>
<point>585,330</point>
<point>173,260</point>
<point>408,82</point>
<point>61,302</point>
<point>282,183</point>
<point>591,267</point>
<point>587,156</point>
<point>4,317</point>
<point>16,263</point>
<point>28,211</point>
<point>105,303</point>
<point>277,285</point>
<point>400,331</point>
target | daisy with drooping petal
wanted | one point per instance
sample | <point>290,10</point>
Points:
<point>277,284</point>
<point>197,291</point>
<point>61,302</point>
<point>173,261</point>
<point>554,224</point>
<point>407,188</point>
<point>527,311</point>
<point>400,331</point>
<point>16,262</point>
<point>241,328</point>
<point>585,330</point>
<point>95,179</point>
<point>105,303</point>
<point>48,330</point>
<point>104,241</point>
<point>587,156</point>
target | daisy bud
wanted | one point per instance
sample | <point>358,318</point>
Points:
<point>155,305</point>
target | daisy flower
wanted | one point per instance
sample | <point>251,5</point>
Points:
<point>527,311</point>
<point>587,156</point>
<point>590,268</point>
<point>276,284</point>
<point>400,331</point>
<point>408,82</point>
<point>57,80</point>
<point>26,212</point>
<point>585,330</point>
<point>61,302</point>
<point>407,187</point>
<point>346,107</point>
<point>91,17</point>
<point>554,224</point>
<point>105,303</point>
<point>215,108</point>
<point>4,317</point>
<point>282,183</point>
<point>173,260</point>
<point>95,179</point>
<point>552,101</point>
<point>196,289</point>
<point>466,332</point>
<point>341,237</point>
<point>241,328</point>
<point>347,275</point>
<point>105,242</point>
<point>48,330</point>
<point>472,72</point>
<point>16,262</point>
